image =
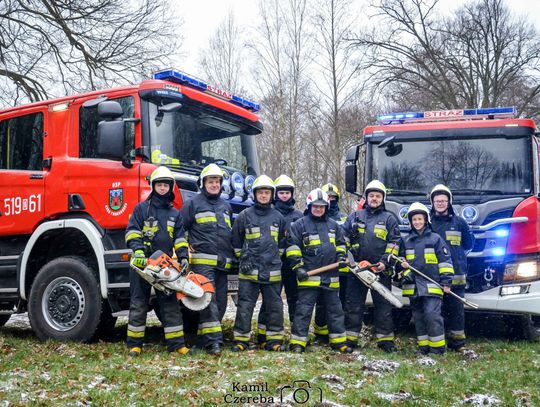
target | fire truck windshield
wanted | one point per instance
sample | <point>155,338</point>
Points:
<point>481,166</point>
<point>190,138</point>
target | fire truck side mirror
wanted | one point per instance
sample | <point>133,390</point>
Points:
<point>351,170</point>
<point>111,131</point>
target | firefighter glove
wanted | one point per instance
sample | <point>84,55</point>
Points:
<point>138,259</point>
<point>407,279</point>
<point>185,264</point>
<point>342,262</point>
<point>246,267</point>
<point>301,274</point>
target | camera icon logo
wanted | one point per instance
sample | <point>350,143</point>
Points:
<point>301,392</point>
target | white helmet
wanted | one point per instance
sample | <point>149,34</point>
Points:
<point>211,170</point>
<point>441,189</point>
<point>263,182</point>
<point>317,197</point>
<point>375,185</point>
<point>284,182</point>
<point>162,174</point>
<point>416,208</point>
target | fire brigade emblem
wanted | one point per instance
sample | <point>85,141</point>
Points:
<point>116,198</point>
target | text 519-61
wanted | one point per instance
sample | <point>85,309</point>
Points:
<point>16,205</point>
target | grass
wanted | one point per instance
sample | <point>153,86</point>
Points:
<point>52,373</point>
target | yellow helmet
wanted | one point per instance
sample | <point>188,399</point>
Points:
<point>416,208</point>
<point>162,174</point>
<point>263,182</point>
<point>331,189</point>
<point>375,185</point>
<point>284,182</point>
<point>211,170</point>
<point>441,189</point>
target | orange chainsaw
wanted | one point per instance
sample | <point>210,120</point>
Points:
<point>165,274</point>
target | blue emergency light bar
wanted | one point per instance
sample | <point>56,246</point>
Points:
<point>459,114</point>
<point>173,75</point>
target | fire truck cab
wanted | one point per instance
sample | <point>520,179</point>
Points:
<point>490,161</point>
<point>72,170</point>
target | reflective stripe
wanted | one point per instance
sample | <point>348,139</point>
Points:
<point>203,258</point>
<point>344,269</point>
<point>353,336</point>
<point>274,334</point>
<point>172,335</point>
<point>228,263</point>
<point>459,279</point>
<point>253,233</point>
<point>227,219</point>
<point>385,337</point>
<point>293,251</point>
<point>392,248</point>
<point>275,276</point>
<point>237,252</point>
<point>314,240</point>
<point>241,337</point>
<point>253,277</point>
<point>337,338</point>
<point>362,228</point>
<point>433,289</point>
<point>274,232</point>
<point>332,238</point>
<point>334,282</point>
<point>408,289</point>
<point>281,251</point>
<point>136,328</point>
<point>380,231</point>
<point>457,334</point>
<point>208,328</point>
<point>436,341</point>
<point>446,268</point>
<point>298,340</point>
<point>453,237</point>
<point>312,281</point>
<point>355,246</point>
<point>170,227</point>
<point>133,234</point>
<point>135,334</point>
<point>341,249</point>
<point>320,330</point>
<point>205,217</point>
<point>261,329</point>
<point>409,254</point>
<point>180,242</point>
<point>422,340</point>
<point>430,257</point>
<point>173,328</point>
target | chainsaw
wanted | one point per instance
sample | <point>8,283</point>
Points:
<point>165,274</point>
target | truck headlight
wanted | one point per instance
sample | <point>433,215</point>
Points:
<point>522,271</point>
<point>237,183</point>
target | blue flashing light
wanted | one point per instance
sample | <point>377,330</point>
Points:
<point>498,112</point>
<point>501,232</point>
<point>173,75</point>
<point>499,251</point>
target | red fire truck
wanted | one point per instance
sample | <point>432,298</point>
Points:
<point>490,160</point>
<point>71,172</point>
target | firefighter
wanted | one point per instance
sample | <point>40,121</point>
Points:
<point>259,241</point>
<point>320,326</point>
<point>155,225</point>
<point>426,251</point>
<point>208,222</point>
<point>284,203</point>
<point>459,238</point>
<point>373,232</point>
<point>314,241</point>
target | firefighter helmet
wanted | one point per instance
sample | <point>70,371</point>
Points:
<point>263,182</point>
<point>162,174</point>
<point>211,170</point>
<point>417,208</point>
<point>331,190</point>
<point>441,189</point>
<point>284,183</point>
<point>375,185</point>
<point>317,197</point>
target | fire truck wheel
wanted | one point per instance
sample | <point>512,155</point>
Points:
<point>530,326</point>
<point>4,319</point>
<point>65,301</point>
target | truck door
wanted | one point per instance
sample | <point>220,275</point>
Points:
<point>22,176</point>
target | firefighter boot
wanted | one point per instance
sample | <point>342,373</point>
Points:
<point>387,346</point>
<point>134,352</point>
<point>183,350</point>
<point>343,349</point>
<point>297,348</point>
<point>239,347</point>
<point>214,349</point>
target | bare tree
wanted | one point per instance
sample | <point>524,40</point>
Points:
<point>480,56</point>
<point>222,61</point>
<point>53,47</point>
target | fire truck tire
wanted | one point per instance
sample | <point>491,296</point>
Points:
<point>4,319</point>
<point>65,301</point>
<point>530,326</point>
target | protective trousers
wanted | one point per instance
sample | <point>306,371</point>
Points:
<point>453,313</point>
<point>288,280</point>
<point>307,298</point>
<point>355,307</point>
<point>429,324</point>
<point>209,330</point>
<point>171,317</point>
<point>248,293</point>
<point>320,327</point>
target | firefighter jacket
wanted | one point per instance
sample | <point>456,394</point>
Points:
<point>289,212</point>
<point>315,242</point>
<point>336,214</point>
<point>208,224</point>
<point>156,225</point>
<point>428,253</point>
<point>459,238</point>
<point>373,234</point>
<point>259,239</point>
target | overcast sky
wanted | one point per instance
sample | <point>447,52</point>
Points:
<point>201,17</point>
